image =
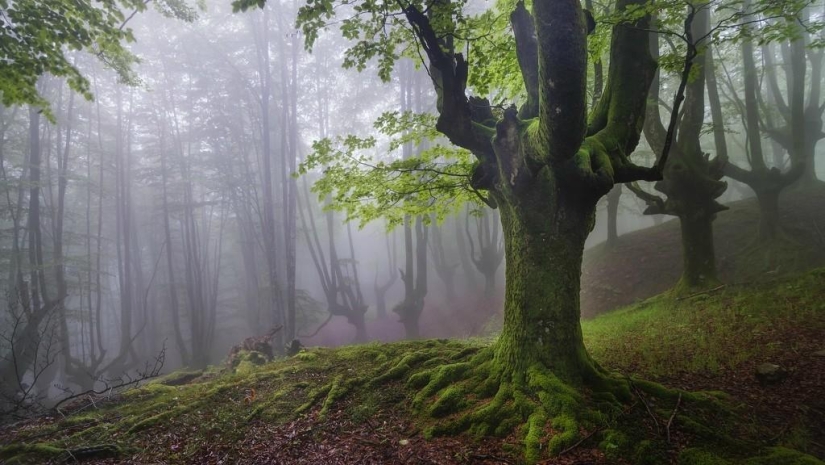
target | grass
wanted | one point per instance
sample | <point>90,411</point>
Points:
<point>648,262</point>
<point>358,386</point>
<point>708,333</point>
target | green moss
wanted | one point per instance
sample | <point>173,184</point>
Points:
<point>338,389</point>
<point>177,378</point>
<point>245,362</point>
<point>648,452</point>
<point>314,397</point>
<point>534,436</point>
<point>449,401</point>
<point>306,356</point>
<point>154,420</point>
<point>473,394</point>
<point>75,420</point>
<point>440,378</point>
<point>696,456</point>
<point>568,433</point>
<point>783,456</point>
<point>30,453</point>
<point>614,444</point>
<point>365,408</point>
<point>149,390</point>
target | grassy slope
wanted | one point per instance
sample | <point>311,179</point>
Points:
<point>715,341</point>
<point>347,406</point>
<point>648,262</point>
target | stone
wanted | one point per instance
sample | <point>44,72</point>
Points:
<point>769,373</point>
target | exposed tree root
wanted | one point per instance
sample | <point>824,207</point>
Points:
<point>483,398</point>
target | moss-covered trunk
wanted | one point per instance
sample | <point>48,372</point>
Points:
<point>544,243</point>
<point>699,259</point>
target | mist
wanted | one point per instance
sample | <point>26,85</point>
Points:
<point>241,187</point>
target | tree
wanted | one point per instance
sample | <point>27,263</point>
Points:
<point>692,181</point>
<point>799,126</point>
<point>490,248</point>
<point>37,35</point>
<point>544,166</point>
<point>766,181</point>
<point>391,278</point>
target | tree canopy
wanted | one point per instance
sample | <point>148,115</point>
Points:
<point>38,37</point>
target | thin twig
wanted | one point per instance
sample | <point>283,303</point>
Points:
<point>672,416</point>
<point>647,407</point>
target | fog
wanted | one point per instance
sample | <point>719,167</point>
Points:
<point>171,218</point>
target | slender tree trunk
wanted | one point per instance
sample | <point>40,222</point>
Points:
<point>464,255</point>
<point>60,269</point>
<point>381,289</point>
<point>613,199</point>
<point>174,304</point>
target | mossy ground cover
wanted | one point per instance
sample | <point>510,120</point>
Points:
<point>440,402</point>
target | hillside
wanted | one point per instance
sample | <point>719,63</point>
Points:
<point>357,404</point>
<point>648,262</point>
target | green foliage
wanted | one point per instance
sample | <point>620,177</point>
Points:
<point>770,20</point>
<point>782,456</point>
<point>38,37</point>
<point>495,46</point>
<point>435,182</point>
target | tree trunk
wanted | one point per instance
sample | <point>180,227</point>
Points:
<point>612,214</point>
<point>697,251</point>
<point>411,330</point>
<point>489,285</point>
<point>769,226</point>
<point>544,245</point>
<point>174,304</point>
<point>357,320</point>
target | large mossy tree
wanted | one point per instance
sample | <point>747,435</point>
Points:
<point>544,165</point>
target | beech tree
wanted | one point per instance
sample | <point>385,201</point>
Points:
<point>766,181</point>
<point>544,165</point>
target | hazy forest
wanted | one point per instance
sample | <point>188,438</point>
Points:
<point>412,232</point>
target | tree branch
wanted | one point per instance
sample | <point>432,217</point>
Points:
<point>527,52</point>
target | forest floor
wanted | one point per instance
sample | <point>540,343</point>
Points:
<point>309,409</point>
<point>648,262</point>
